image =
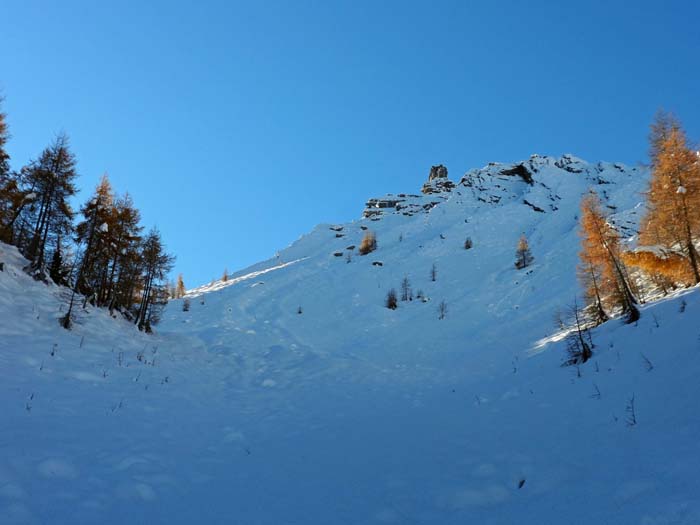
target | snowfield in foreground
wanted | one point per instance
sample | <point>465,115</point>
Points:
<point>244,410</point>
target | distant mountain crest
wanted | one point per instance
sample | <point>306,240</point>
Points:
<point>532,181</point>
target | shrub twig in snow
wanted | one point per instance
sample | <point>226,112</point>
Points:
<point>631,413</point>
<point>442,310</point>
<point>579,344</point>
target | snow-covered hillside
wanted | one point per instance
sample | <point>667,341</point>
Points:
<point>290,394</point>
<point>494,312</point>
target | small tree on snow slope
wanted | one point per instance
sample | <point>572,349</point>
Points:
<point>180,287</point>
<point>368,244</point>
<point>391,301</point>
<point>579,345</point>
<point>523,256</point>
<point>406,292</point>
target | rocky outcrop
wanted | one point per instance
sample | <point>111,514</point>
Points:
<point>408,204</point>
<point>437,181</point>
<point>437,172</point>
<point>535,182</point>
<point>570,163</point>
<point>377,206</point>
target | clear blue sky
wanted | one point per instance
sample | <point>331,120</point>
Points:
<point>239,126</point>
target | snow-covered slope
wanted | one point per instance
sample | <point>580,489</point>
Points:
<point>243,410</point>
<point>494,311</point>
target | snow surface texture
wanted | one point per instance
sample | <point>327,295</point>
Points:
<point>244,410</point>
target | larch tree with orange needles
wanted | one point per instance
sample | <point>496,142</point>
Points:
<point>659,130</point>
<point>180,287</point>
<point>601,268</point>
<point>368,244</point>
<point>523,255</point>
<point>673,199</point>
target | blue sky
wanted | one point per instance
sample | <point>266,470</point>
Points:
<point>239,126</point>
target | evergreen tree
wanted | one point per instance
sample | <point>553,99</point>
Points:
<point>601,261</point>
<point>523,256</point>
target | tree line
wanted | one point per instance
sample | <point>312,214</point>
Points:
<point>101,253</point>
<point>666,256</point>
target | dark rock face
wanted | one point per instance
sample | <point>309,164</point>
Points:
<point>438,186</point>
<point>533,206</point>
<point>375,207</point>
<point>521,171</point>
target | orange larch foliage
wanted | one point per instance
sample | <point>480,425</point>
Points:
<point>601,269</point>
<point>673,217</point>
<point>523,256</point>
<point>666,269</point>
<point>368,244</point>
